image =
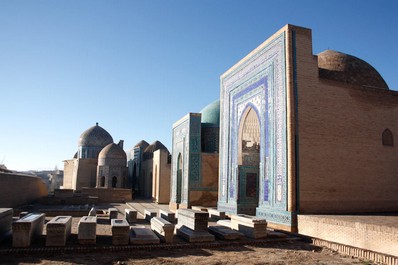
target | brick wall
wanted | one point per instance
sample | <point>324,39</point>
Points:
<point>109,195</point>
<point>343,166</point>
<point>161,176</point>
<point>18,189</point>
<point>352,231</point>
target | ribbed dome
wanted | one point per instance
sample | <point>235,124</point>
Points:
<point>112,154</point>
<point>211,115</point>
<point>349,69</point>
<point>143,144</point>
<point>148,152</point>
<point>95,136</point>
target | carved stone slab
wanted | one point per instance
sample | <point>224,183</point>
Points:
<point>120,232</point>
<point>26,229</point>
<point>215,214</point>
<point>199,208</point>
<point>58,230</point>
<point>225,233</point>
<point>142,235</point>
<point>87,230</point>
<point>149,213</point>
<point>163,229</point>
<point>250,226</point>
<point>194,236</point>
<point>5,222</point>
<point>167,215</point>
<point>112,212</point>
<point>194,220</point>
<point>225,222</point>
<point>130,215</point>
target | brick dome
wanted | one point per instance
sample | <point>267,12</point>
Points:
<point>349,69</point>
<point>148,152</point>
<point>95,136</point>
<point>113,155</point>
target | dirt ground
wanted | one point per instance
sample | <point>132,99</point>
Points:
<point>294,252</point>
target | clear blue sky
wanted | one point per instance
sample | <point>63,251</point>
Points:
<point>136,67</point>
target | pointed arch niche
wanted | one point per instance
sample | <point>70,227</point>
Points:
<point>248,161</point>
<point>387,138</point>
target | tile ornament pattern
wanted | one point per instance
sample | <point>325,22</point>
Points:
<point>258,82</point>
<point>180,133</point>
<point>186,141</point>
<point>194,154</point>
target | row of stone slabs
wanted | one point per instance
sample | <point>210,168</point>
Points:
<point>192,226</point>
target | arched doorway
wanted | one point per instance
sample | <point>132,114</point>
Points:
<point>179,178</point>
<point>114,181</point>
<point>134,179</point>
<point>248,162</point>
<point>155,189</point>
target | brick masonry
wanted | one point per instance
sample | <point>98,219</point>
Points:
<point>369,233</point>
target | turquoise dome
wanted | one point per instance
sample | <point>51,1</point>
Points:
<point>211,115</point>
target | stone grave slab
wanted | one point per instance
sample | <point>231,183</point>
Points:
<point>163,229</point>
<point>130,215</point>
<point>120,232</point>
<point>224,222</point>
<point>58,231</point>
<point>193,219</point>
<point>215,214</point>
<point>5,222</point>
<point>149,213</point>
<point>112,212</point>
<point>167,215</point>
<point>199,208</point>
<point>250,226</point>
<point>194,236</point>
<point>143,236</point>
<point>23,214</point>
<point>192,225</point>
<point>27,229</point>
<point>87,230</point>
<point>225,233</point>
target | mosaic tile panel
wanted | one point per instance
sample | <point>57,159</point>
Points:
<point>257,82</point>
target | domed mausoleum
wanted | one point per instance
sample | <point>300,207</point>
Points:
<point>112,170</point>
<point>349,70</point>
<point>194,175</point>
<point>303,134</point>
<point>149,169</point>
<point>97,157</point>
<point>92,141</point>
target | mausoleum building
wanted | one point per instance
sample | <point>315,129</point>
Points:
<point>96,162</point>
<point>303,134</point>
<point>149,171</point>
<point>194,173</point>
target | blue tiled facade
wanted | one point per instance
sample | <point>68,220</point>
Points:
<point>258,82</point>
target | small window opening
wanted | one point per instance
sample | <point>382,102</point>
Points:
<point>388,138</point>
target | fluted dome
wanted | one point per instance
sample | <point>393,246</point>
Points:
<point>95,136</point>
<point>211,115</point>
<point>348,69</point>
<point>112,154</point>
<point>148,152</point>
